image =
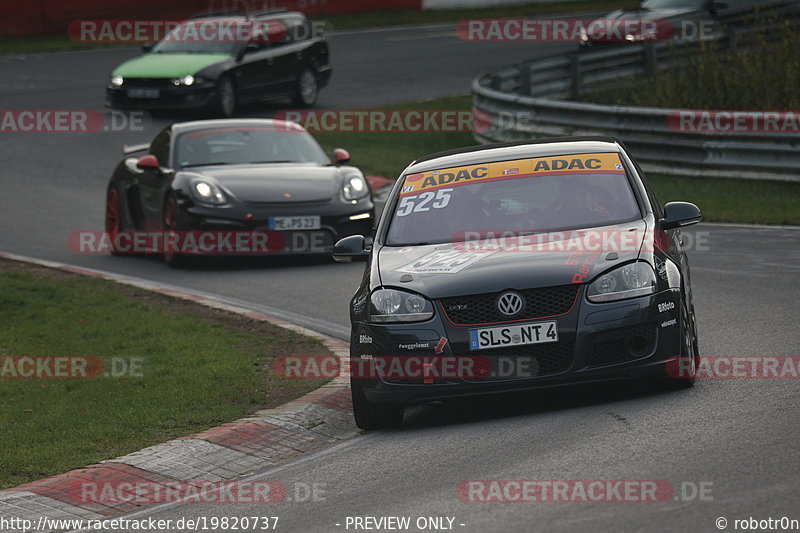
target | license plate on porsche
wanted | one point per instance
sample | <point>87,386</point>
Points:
<point>513,335</point>
<point>294,223</point>
<point>143,93</point>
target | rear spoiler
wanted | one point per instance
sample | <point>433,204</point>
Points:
<point>133,148</point>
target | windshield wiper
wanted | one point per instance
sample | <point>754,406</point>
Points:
<point>274,161</point>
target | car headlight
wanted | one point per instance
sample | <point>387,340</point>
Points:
<point>117,81</point>
<point>637,37</point>
<point>208,193</point>
<point>390,305</point>
<point>184,80</point>
<point>355,187</point>
<point>627,281</point>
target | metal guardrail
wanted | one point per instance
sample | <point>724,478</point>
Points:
<point>527,101</point>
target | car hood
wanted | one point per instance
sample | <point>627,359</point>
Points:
<point>457,269</point>
<point>167,65</point>
<point>275,183</point>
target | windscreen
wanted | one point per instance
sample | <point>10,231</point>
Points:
<point>521,196</point>
<point>243,146</point>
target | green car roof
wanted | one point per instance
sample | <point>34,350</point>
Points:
<point>167,65</point>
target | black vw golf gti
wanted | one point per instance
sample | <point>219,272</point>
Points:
<point>519,266</point>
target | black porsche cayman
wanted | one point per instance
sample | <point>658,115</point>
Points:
<point>250,186</point>
<point>518,266</point>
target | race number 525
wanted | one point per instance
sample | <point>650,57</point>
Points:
<point>419,202</point>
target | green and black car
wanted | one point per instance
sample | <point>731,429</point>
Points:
<point>219,68</point>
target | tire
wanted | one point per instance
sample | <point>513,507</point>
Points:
<point>113,223</point>
<point>173,260</point>
<point>226,97</point>
<point>370,415</point>
<point>307,90</point>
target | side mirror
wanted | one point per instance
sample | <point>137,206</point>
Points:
<point>714,6</point>
<point>340,156</point>
<point>680,214</point>
<point>147,48</point>
<point>249,48</point>
<point>352,248</point>
<point>148,162</point>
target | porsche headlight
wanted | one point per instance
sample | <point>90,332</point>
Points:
<point>390,305</point>
<point>208,193</point>
<point>628,281</point>
<point>117,81</point>
<point>355,187</point>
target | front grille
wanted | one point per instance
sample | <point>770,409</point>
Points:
<point>480,309</point>
<point>523,362</point>
<point>515,362</point>
<point>622,344</point>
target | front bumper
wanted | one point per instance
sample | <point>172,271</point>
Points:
<point>335,221</point>
<point>169,97</point>
<point>597,342</point>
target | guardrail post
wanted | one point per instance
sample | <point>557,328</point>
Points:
<point>575,75</point>
<point>650,63</point>
<point>733,38</point>
<point>525,79</point>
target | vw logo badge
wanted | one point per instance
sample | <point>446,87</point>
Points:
<point>510,304</point>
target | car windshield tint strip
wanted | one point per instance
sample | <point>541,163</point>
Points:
<point>598,163</point>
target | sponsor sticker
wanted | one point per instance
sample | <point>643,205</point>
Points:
<point>666,306</point>
<point>443,262</point>
<point>594,163</point>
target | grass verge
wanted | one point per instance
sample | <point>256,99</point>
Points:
<point>733,200</point>
<point>382,18</point>
<point>761,76</point>
<point>721,200</point>
<point>200,367</point>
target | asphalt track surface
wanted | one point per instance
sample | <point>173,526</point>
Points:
<point>740,435</point>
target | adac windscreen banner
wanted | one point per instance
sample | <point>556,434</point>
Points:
<point>597,163</point>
